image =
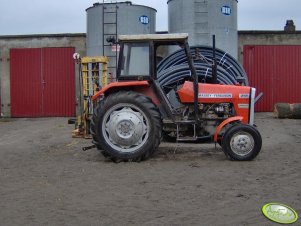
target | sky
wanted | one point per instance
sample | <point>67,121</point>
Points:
<point>21,17</point>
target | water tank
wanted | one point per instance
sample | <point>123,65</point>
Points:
<point>102,22</point>
<point>203,18</point>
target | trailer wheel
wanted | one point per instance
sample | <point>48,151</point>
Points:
<point>127,126</point>
<point>241,142</point>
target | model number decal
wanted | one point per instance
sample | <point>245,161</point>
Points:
<point>243,105</point>
<point>244,95</point>
<point>215,95</point>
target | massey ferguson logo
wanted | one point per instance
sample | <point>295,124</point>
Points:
<point>215,95</point>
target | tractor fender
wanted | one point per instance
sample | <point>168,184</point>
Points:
<point>225,122</point>
<point>119,86</point>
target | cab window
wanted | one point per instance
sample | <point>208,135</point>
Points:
<point>135,60</point>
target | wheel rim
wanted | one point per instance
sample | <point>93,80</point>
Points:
<point>125,128</point>
<point>242,143</point>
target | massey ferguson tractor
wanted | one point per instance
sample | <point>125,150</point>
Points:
<point>133,113</point>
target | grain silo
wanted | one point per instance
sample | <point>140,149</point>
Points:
<point>107,20</point>
<point>203,18</point>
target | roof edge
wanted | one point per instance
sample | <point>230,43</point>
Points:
<point>266,32</point>
<point>153,37</point>
<point>44,35</point>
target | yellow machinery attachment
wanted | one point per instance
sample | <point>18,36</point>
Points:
<point>93,76</point>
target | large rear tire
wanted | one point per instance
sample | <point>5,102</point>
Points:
<point>241,142</point>
<point>127,126</point>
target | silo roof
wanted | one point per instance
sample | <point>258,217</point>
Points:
<point>126,2</point>
<point>171,0</point>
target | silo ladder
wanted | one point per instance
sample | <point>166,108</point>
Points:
<point>110,31</point>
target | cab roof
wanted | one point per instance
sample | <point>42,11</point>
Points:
<point>154,37</point>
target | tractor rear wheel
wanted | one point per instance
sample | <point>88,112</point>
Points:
<point>241,142</point>
<point>127,126</point>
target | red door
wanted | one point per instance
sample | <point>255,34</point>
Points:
<point>59,82</point>
<point>42,82</point>
<point>275,71</point>
<point>25,80</point>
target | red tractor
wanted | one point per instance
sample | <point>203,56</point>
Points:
<point>132,114</point>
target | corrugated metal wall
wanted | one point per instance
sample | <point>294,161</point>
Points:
<point>42,82</point>
<point>275,71</point>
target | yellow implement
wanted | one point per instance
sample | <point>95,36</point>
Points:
<point>93,76</point>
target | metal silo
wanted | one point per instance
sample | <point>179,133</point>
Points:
<point>107,20</point>
<point>203,18</point>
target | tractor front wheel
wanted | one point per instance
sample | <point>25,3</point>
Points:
<point>241,142</point>
<point>127,126</point>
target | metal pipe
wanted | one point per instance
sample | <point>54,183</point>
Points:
<point>214,66</point>
<point>195,81</point>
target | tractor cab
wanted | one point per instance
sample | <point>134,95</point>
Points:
<point>140,54</point>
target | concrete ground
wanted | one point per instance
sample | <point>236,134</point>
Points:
<point>45,179</point>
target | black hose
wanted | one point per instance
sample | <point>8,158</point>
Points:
<point>204,73</point>
<point>174,68</point>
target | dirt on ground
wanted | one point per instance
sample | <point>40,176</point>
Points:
<point>46,179</point>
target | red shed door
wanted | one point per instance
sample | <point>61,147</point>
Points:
<point>42,82</point>
<point>25,82</point>
<point>275,71</point>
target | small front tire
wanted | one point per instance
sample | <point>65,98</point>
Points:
<point>241,142</point>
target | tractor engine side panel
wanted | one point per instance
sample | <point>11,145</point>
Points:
<point>239,96</point>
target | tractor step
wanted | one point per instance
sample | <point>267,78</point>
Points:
<point>189,122</point>
<point>187,139</point>
<point>202,139</point>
